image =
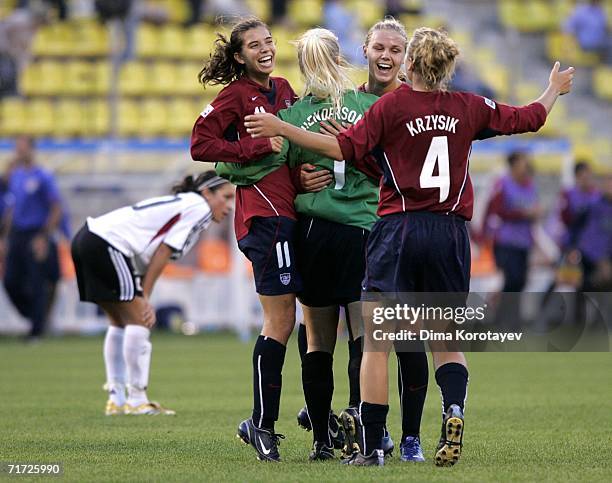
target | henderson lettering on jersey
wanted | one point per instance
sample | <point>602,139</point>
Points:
<point>342,114</point>
<point>432,123</point>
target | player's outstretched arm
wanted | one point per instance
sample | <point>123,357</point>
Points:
<point>559,83</point>
<point>267,125</point>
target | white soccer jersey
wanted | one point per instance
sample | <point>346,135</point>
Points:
<point>137,231</point>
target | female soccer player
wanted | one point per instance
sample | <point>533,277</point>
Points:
<point>421,242</point>
<point>333,224</point>
<point>118,257</point>
<point>265,215</point>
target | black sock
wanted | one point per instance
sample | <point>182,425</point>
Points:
<point>354,366</point>
<point>302,341</point>
<point>268,359</point>
<point>452,379</point>
<point>318,384</point>
<point>412,377</point>
<point>373,419</point>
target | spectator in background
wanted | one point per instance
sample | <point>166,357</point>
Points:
<point>595,242</point>
<point>345,25</point>
<point>509,217</point>
<point>32,266</point>
<point>195,12</point>
<point>512,210</point>
<point>575,203</point>
<point>588,24</point>
<point>279,11</point>
<point>395,8</point>
<point>60,6</point>
<point>16,34</point>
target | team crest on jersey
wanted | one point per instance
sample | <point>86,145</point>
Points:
<point>207,110</point>
<point>285,278</point>
<point>288,102</point>
<point>489,102</point>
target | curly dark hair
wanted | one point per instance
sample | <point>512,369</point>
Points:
<point>221,67</point>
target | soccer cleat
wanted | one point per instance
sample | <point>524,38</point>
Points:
<point>451,440</point>
<point>151,408</point>
<point>387,443</point>
<point>336,431</point>
<point>303,420</point>
<point>410,450</point>
<point>265,442</point>
<point>376,458</point>
<point>321,452</point>
<point>113,409</point>
<point>349,418</point>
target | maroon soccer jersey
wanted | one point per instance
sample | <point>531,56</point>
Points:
<point>219,135</point>
<point>422,142</point>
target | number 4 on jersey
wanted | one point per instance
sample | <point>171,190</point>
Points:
<point>437,155</point>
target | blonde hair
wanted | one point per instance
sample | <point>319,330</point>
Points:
<point>388,23</point>
<point>433,54</point>
<point>325,72</point>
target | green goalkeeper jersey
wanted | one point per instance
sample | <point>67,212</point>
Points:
<point>352,198</point>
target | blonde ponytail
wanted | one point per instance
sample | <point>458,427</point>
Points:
<point>433,54</point>
<point>325,72</point>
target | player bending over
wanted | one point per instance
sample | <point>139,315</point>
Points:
<point>119,256</point>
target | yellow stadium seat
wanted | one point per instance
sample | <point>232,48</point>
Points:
<point>54,40</point>
<point>98,118</point>
<point>368,12</point>
<point>172,42</point>
<point>30,80</point>
<point>497,77</point>
<point>41,117</point>
<point>13,116</point>
<point>260,9</point>
<point>181,117</point>
<point>70,119</point>
<point>50,78</point>
<point>285,50</point>
<point>163,78</point>
<point>187,79</point>
<point>90,38</point>
<point>199,42</point>
<point>564,47</point>
<point>153,118</point>
<point>134,79</point>
<point>291,72</point>
<point>102,78</point>
<point>577,130</point>
<point>602,82</point>
<point>80,78</point>
<point>147,41</point>
<point>128,122</point>
<point>306,13</point>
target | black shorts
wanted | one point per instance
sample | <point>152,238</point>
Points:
<point>104,274</point>
<point>418,252</point>
<point>331,260</point>
<point>269,247</point>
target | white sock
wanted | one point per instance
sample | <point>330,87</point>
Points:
<point>115,364</point>
<point>137,354</point>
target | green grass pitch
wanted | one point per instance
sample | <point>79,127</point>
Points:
<point>530,417</point>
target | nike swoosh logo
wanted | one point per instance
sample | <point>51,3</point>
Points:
<point>264,450</point>
<point>253,98</point>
